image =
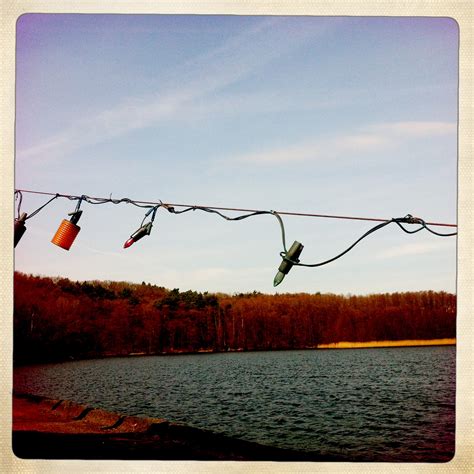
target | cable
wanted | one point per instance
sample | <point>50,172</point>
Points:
<point>409,219</point>
<point>94,200</point>
<point>154,206</point>
<point>370,231</point>
<point>19,193</point>
<point>438,233</point>
<point>416,220</point>
<point>409,231</point>
<point>146,204</point>
<point>151,211</point>
<point>19,196</point>
<point>238,218</point>
<point>312,265</point>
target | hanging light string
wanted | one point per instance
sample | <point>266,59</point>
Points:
<point>154,206</point>
<point>148,204</point>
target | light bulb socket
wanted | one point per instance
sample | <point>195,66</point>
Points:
<point>285,266</point>
<point>139,234</point>
<point>75,216</point>
<point>292,254</point>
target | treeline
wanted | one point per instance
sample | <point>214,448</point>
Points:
<point>58,319</point>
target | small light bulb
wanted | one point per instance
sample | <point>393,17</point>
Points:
<point>129,242</point>
<point>278,278</point>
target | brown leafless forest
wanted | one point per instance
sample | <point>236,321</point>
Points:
<point>58,319</point>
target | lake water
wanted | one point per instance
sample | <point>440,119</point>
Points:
<point>393,404</point>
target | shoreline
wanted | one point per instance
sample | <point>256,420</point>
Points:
<point>381,344</point>
<point>331,345</point>
<point>45,428</point>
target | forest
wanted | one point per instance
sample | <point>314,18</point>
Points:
<point>58,319</point>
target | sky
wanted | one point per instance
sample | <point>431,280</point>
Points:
<point>348,116</point>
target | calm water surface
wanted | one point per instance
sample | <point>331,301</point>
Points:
<point>394,404</point>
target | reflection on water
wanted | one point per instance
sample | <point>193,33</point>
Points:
<point>394,404</point>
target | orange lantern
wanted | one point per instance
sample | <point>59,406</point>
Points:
<point>67,231</point>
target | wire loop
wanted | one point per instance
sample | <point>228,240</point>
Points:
<point>19,196</point>
<point>26,217</point>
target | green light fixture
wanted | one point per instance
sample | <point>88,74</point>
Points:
<point>285,266</point>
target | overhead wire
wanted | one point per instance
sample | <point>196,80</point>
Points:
<point>141,203</point>
<point>170,207</point>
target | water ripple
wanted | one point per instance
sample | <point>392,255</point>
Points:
<point>373,404</point>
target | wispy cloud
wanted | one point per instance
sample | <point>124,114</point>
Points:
<point>313,150</point>
<point>413,248</point>
<point>179,96</point>
<point>128,116</point>
<point>415,129</point>
<point>372,138</point>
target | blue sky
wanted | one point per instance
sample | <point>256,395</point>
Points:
<point>328,115</point>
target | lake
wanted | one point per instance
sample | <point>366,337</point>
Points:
<point>384,404</point>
